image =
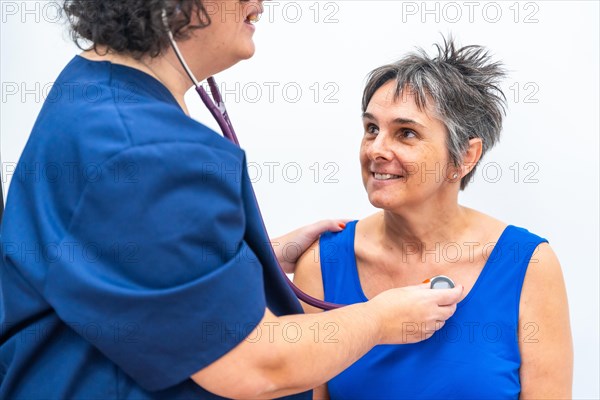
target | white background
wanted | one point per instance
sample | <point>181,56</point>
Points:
<point>550,48</point>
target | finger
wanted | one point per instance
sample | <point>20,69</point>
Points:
<point>335,225</point>
<point>420,286</point>
<point>426,284</point>
<point>447,311</point>
<point>329,225</point>
<point>433,326</point>
<point>446,297</point>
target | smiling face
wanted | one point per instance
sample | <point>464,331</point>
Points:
<point>404,157</point>
<point>229,37</point>
<point>234,20</point>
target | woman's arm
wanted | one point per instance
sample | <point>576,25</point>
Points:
<point>544,330</point>
<point>308,277</point>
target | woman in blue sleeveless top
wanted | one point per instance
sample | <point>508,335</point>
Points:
<point>427,123</point>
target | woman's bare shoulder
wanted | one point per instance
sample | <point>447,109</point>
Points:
<point>484,224</point>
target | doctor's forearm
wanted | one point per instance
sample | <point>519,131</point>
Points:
<point>292,354</point>
<point>329,343</point>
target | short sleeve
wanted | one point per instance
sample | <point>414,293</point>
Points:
<point>154,270</point>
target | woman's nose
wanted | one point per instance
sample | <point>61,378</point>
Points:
<point>380,148</point>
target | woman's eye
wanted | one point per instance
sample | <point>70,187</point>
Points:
<point>408,133</point>
<point>372,129</point>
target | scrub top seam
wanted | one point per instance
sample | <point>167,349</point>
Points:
<point>118,110</point>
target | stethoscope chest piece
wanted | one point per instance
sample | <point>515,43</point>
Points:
<point>441,282</point>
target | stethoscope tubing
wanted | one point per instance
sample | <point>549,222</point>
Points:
<point>219,112</point>
<point>217,108</point>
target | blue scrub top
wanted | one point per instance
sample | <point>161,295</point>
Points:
<point>132,251</point>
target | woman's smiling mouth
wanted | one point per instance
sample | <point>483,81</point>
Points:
<point>385,177</point>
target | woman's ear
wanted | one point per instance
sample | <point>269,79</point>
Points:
<point>472,155</point>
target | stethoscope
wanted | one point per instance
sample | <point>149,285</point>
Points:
<point>219,113</point>
<point>217,108</point>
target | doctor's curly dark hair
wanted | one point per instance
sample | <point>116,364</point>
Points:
<point>134,27</point>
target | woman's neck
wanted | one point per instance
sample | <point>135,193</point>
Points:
<point>419,231</point>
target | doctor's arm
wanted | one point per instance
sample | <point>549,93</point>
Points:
<point>545,340</point>
<point>191,275</point>
<point>295,353</point>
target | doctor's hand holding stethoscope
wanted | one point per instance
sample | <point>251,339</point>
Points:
<point>180,43</point>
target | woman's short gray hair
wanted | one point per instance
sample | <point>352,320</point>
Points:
<point>464,85</point>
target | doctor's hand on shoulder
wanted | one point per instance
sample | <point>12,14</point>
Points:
<point>289,247</point>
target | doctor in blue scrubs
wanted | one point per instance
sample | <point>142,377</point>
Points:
<point>134,264</point>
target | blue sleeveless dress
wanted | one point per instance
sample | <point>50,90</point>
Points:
<point>474,356</point>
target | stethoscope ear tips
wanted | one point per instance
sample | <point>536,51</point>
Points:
<point>441,282</point>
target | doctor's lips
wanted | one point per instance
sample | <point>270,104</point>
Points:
<point>254,17</point>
